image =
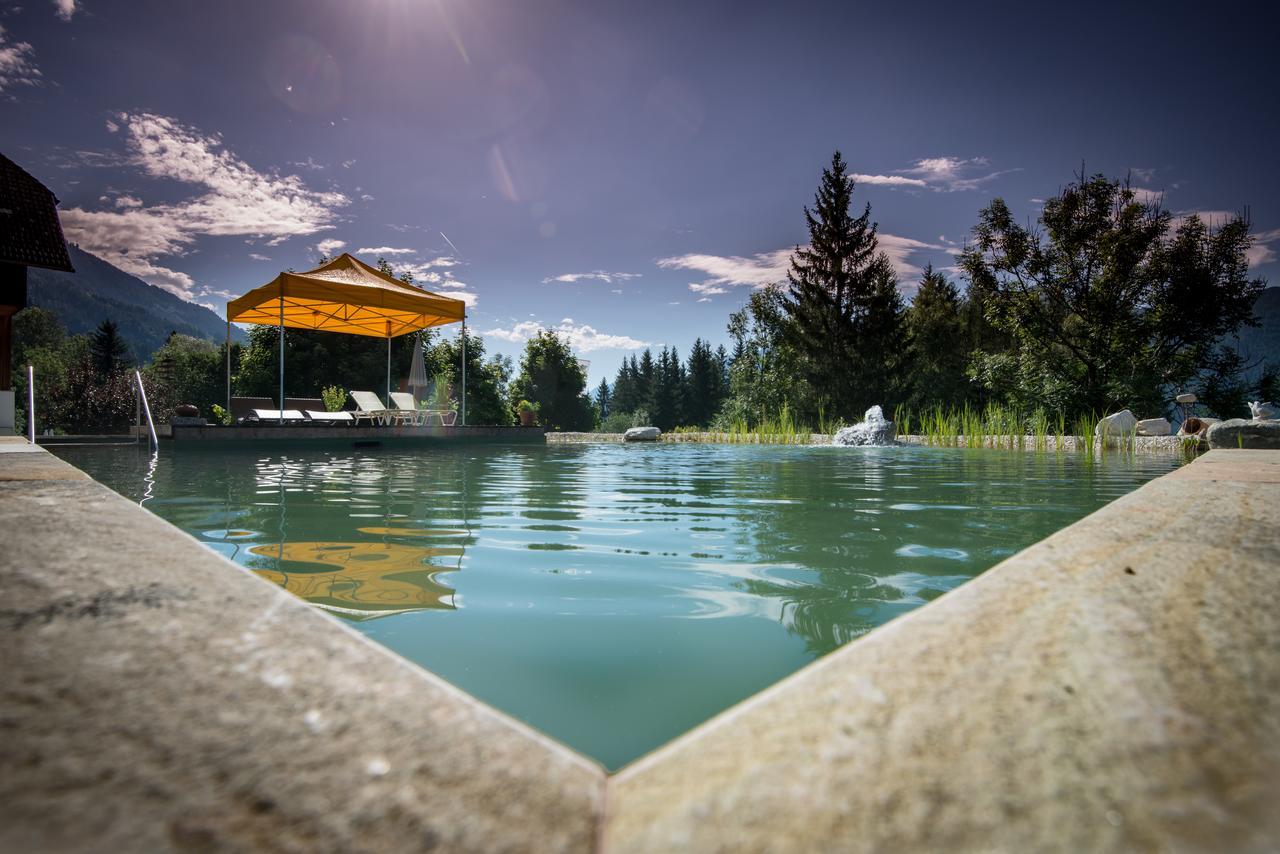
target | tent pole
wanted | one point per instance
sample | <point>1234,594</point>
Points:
<point>388,363</point>
<point>464,366</point>
<point>228,358</point>
<point>282,353</point>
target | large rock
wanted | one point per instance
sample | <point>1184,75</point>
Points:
<point>874,430</point>
<point>1239,433</point>
<point>1154,427</point>
<point>642,434</point>
<point>1122,423</point>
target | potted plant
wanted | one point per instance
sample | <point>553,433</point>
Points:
<point>527,411</point>
<point>334,398</point>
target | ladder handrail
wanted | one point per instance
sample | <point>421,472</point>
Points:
<point>31,404</point>
<point>146,407</point>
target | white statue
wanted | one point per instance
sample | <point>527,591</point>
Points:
<point>1263,410</point>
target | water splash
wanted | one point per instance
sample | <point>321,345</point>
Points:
<point>873,430</point>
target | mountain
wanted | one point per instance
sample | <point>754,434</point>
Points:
<point>1260,343</point>
<point>98,291</point>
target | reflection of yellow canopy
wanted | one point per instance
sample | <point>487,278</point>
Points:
<point>345,295</point>
<point>363,580</point>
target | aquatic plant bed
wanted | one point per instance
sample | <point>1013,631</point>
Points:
<point>1139,444</point>
<point>615,596</point>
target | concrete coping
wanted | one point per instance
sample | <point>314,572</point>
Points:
<point>1114,686</point>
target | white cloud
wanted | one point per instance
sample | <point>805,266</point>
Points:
<point>1261,252</point>
<point>330,245</point>
<point>466,296</point>
<point>722,272</point>
<point>17,63</point>
<point>64,9</point>
<point>581,337</point>
<point>384,250</point>
<point>233,199</point>
<point>1142,174</point>
<point>1147,197</point>
<point>766,268</point>
<point>940,174</point>
<point>258,256</point>
<point>597,275</point>
<point>889,180</point>
<point>128,202</point>
<point>900,250</point>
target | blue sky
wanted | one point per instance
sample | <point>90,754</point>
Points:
<point>624,172</point>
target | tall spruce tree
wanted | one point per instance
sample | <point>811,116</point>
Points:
<point>646,370</point>
<point>841,312</point>
<point>702,397</point>
<point>108,349</point>
<point>938,347</point>
<point>602,399</point>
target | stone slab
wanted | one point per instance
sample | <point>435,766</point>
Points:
<point>23,461</point>
<point>1114,687</point>
<point>158,697</point>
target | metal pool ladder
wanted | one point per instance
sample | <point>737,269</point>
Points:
<point>146,407</point>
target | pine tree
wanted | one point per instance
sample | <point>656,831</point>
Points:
<point>602,399</point>
<point>840,308</point>
<point>936,326</point>
<point>645,372</point>
<point>108,349</point>
<point>665,402</point>
<point>703,384</point>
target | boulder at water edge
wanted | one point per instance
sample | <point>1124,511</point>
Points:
<point>1239,433</point>
<point>642,434</point>
<point>1154,427</point>
<point>1122,423</point>
<point>874,430</point>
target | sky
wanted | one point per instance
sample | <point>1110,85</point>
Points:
<point>622,172</point>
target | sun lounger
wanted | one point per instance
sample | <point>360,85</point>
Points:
<point>274,415</point>
<point>329,417</point>
<point>405,404</point>
<point>447,416</point>
<point>369,407</point>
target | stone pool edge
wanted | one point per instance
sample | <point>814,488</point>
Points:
<point>149,704</point>
<point>924,733</point>
<point>1115,686</point>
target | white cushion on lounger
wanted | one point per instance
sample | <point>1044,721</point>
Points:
<point>328,416</point>
<point>274,414</point>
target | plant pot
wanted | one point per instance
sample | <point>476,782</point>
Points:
<point>526,417</point>
<point>186,410</point>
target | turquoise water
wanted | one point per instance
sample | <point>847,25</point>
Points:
<point>615,596</point>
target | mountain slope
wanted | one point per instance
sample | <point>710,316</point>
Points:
<point>1261,343</point>
<point>98,291</point>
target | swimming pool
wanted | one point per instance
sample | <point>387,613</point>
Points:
<point>615,596</point>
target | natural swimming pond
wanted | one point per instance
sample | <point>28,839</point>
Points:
<point>615,596</point>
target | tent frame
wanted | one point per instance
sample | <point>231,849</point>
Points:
<point>380,281</point>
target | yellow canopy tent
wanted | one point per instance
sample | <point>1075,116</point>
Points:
<point>346,295</point>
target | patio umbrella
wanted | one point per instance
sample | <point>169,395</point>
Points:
<point>418,370</point>
<point>344,295</point>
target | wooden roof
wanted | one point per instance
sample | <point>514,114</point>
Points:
<point>30,233</point>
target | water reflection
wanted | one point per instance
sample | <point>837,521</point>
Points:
<point>371,579</point>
